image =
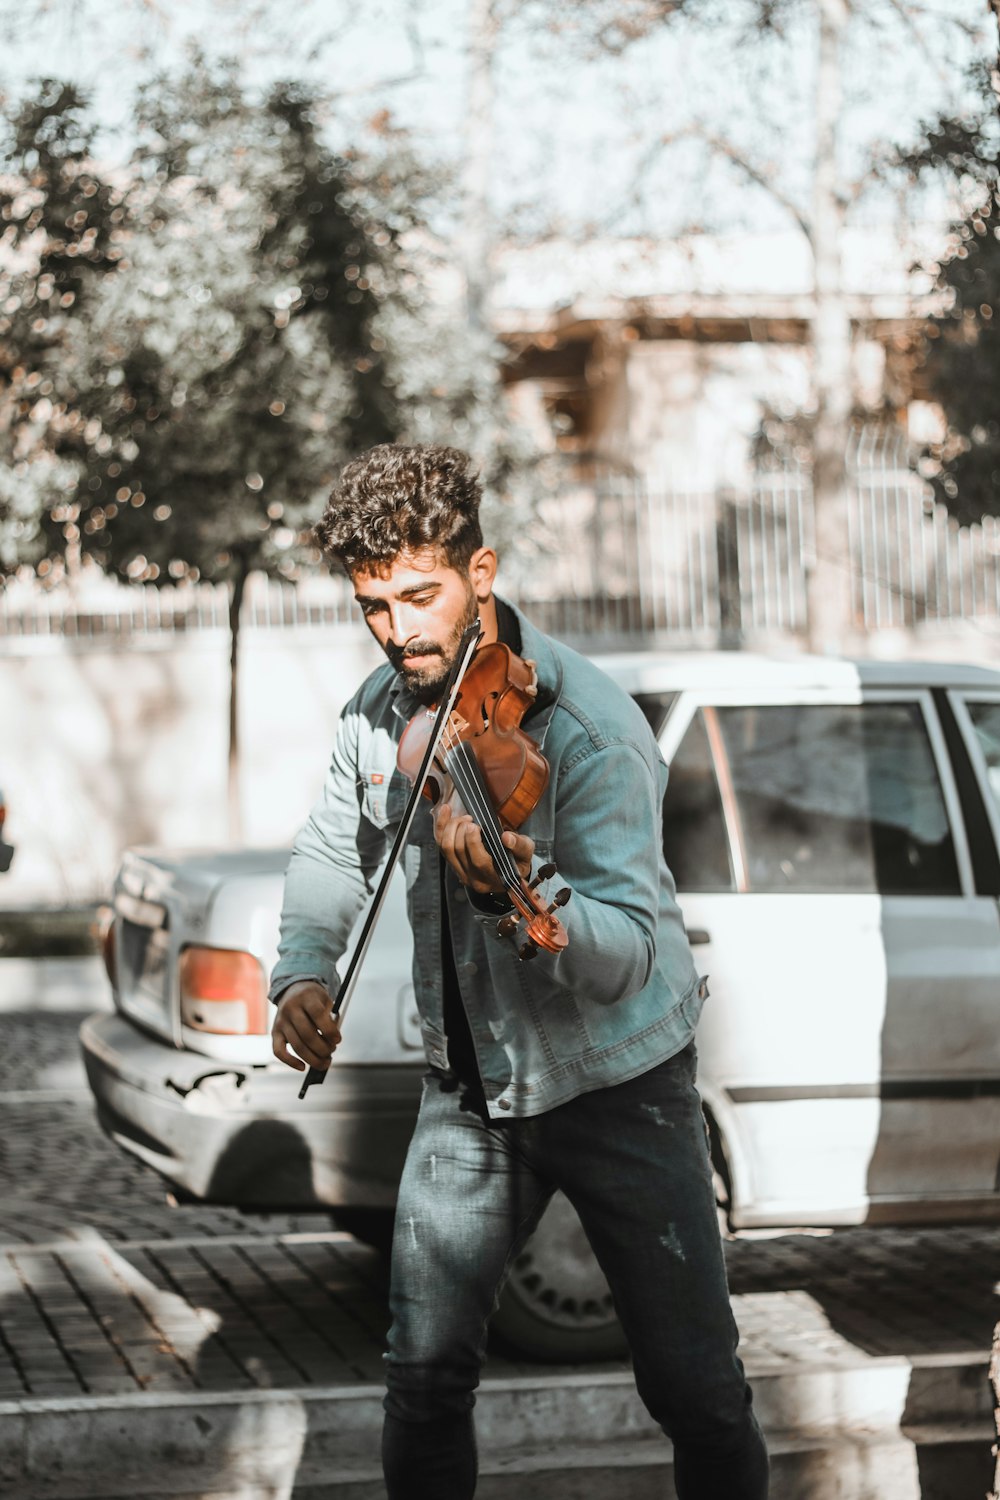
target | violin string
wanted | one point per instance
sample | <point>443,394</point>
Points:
<point>465,772</point>
<point>472,789</point>
<point>467,777</point>
<point>469,781</point>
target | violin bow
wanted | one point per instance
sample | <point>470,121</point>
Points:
<point>466,649</point>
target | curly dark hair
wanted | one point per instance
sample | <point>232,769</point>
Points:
<point>394,498</point>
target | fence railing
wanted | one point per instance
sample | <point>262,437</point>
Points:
<point>636,558</point>
<point>92,613</point>
<point>729,564</point>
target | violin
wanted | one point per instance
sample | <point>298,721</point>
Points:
<point>486,765</point>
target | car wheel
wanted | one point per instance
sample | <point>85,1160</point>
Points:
<point>372,1226</point>
<point>556,1305</point>
<point>721,1176</point>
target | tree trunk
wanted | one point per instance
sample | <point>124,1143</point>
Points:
<point>828,584</point>
<point>727,553</point>
<point>233,772</point>
<point>994,6</point>
<point>477,227</point>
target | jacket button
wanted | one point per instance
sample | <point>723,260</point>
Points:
<point>504,1103</point>
<point>460,894</point>
<point>469,968</point>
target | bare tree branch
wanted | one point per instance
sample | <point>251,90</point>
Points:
<point>994,6</point>
<point>971,29</point>
<point>905,14</point>
<point>722,146</point>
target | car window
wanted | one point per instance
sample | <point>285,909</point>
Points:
<point>838,798</point>
<point>656,706</point>
<point>694,831</point>
<point>986,722</point>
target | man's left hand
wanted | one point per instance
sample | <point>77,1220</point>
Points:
<point>461,842</point>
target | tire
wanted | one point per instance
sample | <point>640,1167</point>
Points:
<point>372,1226</point>
<point>556,1305</point>
<point>722,1179</point>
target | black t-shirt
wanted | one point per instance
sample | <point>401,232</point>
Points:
<point>461,1050</point>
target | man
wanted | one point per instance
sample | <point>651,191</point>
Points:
<point>573,1071</point>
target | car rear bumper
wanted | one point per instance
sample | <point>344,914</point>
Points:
<point>238,1135</point>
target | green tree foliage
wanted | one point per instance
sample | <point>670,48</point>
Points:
<point>962,349</point>
<point>194,344</point>
<point>257,309</point>
<point>235,358</point>
<point>60,242</point>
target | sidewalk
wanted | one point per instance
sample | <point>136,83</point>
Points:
<point>53,984</point>
<point>233,1365</point>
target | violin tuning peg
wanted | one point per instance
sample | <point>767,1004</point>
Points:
<point>560,898</point>
<point>545,873</point>
<point>508,925</point>
<point>527,950</point>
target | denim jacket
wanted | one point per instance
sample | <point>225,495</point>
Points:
<point>621,997</point>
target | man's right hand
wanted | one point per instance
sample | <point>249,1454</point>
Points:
<point>305,1025</point>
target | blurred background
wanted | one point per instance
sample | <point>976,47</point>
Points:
<point>708,287</point>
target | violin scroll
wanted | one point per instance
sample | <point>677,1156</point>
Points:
<point>543,929</point>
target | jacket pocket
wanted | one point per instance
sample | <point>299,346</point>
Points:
<point>381,794</point>
<point>396,797</point>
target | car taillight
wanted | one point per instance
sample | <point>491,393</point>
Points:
<point>104,931</point>
<point>223,991</point>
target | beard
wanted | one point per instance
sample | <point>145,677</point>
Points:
<point>426,682</point>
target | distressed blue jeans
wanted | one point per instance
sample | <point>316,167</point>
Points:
<point>633,1161</point>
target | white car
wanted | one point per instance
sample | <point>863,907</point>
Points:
<point>834,828</point>
<point>6,850</point>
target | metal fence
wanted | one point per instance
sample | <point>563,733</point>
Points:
<point>912,562</point>
<point>725,564</point>
<point>637,559</point>
<point>102,610</point>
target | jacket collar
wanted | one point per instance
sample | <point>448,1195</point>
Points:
<point>537,647</point>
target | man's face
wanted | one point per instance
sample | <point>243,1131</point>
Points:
<point>417,608</point>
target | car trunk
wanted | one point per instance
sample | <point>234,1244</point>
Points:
<point>163,900</point>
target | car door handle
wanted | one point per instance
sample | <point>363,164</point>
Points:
<point>697,936</point>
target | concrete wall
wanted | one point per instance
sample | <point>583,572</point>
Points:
<point>106,746</point>
<point>101,747</point>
